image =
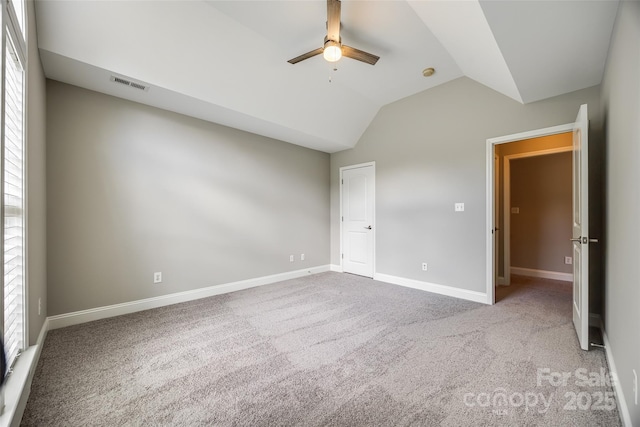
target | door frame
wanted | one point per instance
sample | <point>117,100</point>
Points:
<point>373,219</point>
<point>490,200</point>
<point>506,208</point>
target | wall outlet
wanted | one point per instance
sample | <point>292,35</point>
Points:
<point>568,260</point>
<point>458,207</point>
<point>157,277</point>
<point>290,258</point>
<point>635,386</point>
<point>515,210</point>
<point>301,257</point>
<point>39,306</point>
<point>424,266</point>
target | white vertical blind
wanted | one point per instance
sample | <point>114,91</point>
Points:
<point>13,176</point>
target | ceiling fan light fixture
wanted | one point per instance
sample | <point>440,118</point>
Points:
<point>332,51</point>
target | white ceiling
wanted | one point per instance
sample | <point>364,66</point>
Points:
<point>226,61</point>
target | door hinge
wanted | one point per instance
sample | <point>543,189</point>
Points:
<point>342,256</point>
<point>342,181</point>
<point>342,219</point>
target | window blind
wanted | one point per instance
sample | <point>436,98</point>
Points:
<point>13,172</point>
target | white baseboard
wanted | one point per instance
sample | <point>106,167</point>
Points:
<point>543,274</point>
<point>335,267</point>
<point>18,385</point>
<point>434,288</point>
<point>75,318</point>
<point>623,409</point>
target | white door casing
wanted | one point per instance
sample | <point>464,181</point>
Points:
<point>357,219</point>
<point>581,227</point>
<point>490,201</point>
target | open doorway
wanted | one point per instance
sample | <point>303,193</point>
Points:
<point>580,215</point>
<point>495,171</point>
<point>533,205</point>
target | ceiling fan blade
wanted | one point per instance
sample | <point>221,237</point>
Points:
<point>333,20</point>
<point>307,55</point>
<point>360,55</point>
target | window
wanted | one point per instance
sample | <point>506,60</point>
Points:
<point>13,209</point>
<point>13,181</point>
<point>18,11</point>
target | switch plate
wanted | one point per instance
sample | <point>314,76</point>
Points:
<point>515,210</point>
<point>459,207</point>
<point>301,257</point>
<point>568,260</point>
<point>157,277</point>
<point>290,258</point>
<point>424,266</point>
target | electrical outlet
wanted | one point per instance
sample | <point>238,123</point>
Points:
<point>301,257</point>
<point>568,260</point>
<point>157,277</point>
<point>290,258</point>
<point>424,266</point>
<point>635,386</point>
<point>458,207</point>
<point>39,306</point>
<point>515,210</point>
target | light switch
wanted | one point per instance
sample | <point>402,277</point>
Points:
<point>459,207</point>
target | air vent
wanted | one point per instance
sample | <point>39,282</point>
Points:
<point>129,83</point>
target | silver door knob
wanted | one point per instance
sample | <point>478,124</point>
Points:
<point>578,239</point>
<point>368,228</point>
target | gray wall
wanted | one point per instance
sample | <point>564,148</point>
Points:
<point>541,187</point>
<point>621,105</point>
<point>133,190</point>
<point>430,152</point>
<point>36,183</point>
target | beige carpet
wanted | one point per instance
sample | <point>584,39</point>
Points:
<point>329,349</point>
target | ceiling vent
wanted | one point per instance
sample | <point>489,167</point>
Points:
<point>129,83</point>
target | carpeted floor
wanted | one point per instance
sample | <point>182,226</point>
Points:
<point>328,349</point>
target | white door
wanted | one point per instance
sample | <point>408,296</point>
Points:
<point>358,192</point>
<point>581,227</point>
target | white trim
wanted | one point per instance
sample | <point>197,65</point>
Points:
<point>506,182</point>
<point>537,133</point>
<point>490,152</point>
<point>543,274</point>
<point>373,217</point>
<point>623,409</point>
<point>433,288</point>
<point>490,216</point>
<point>77,317</point>
<point>501,281</point>
<point>336,268</point>
<point>18,385</point>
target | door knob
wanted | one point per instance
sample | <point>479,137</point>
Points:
<point>368,228</point>
<point>585,240</point>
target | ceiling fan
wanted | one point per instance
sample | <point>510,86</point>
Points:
<point>333,48</point>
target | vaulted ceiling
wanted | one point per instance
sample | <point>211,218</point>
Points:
<point>226,61</point>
